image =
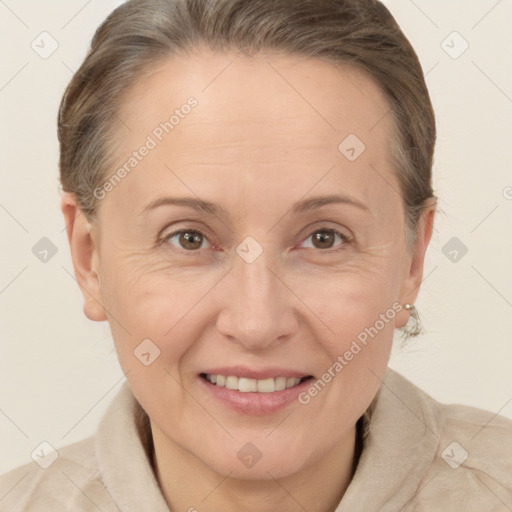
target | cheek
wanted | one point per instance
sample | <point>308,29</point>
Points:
<point>166,307</point>
<point>352,299</point>
<point>361,313</point>
<point>158,320</point>
<point>359,306</point>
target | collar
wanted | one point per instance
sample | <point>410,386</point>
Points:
<point>399,447</point>
<point>122,450</point>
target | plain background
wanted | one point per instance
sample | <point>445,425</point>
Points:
<point>58,370</point>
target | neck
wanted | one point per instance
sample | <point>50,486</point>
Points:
<point>189,484</point>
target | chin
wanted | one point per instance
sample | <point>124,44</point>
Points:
<point>247,462</point>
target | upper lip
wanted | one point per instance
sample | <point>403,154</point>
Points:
<point>251,373</point>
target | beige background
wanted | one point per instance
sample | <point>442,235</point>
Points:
<point>58,371</point>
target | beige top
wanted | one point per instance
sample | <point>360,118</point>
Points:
<point>419,456</point>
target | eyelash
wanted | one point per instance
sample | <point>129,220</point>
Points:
<point>344,237</point>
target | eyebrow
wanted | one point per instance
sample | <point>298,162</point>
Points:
<point>213,209</point>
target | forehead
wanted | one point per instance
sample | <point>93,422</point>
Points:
<point>270,118</point>
<point>275,89</point>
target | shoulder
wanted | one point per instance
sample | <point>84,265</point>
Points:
<point>472,466</point>
<point>65,479</point>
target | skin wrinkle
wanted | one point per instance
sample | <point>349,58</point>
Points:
<point>244,147</point>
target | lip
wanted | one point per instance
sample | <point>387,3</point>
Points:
<point>249,373</point>
<point>254,403</point>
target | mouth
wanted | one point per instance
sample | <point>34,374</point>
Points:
<point>249,385</point>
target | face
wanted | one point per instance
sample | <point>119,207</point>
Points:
<point>246,242</point>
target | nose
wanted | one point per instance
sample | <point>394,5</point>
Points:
<point>257,307</point>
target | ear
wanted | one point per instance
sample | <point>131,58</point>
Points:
<point>84,254</point>
<point>413,272</point>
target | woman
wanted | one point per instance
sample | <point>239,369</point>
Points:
<point>248,202</point>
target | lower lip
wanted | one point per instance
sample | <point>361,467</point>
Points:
<point>255,404</point>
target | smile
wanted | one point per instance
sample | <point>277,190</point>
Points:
<point>246,385</point>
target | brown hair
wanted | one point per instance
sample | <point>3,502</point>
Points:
<point>141,33</point>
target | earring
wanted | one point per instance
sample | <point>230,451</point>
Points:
<point>415,329</point>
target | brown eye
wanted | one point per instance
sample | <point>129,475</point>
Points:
<point>189,240</point>
<point>325,238</point>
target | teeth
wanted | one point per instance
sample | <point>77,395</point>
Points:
<point>252,385</point>
<point>247,385</point>
<point>232,382</point>
<point>281,383</point>
<point>266,385</point>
